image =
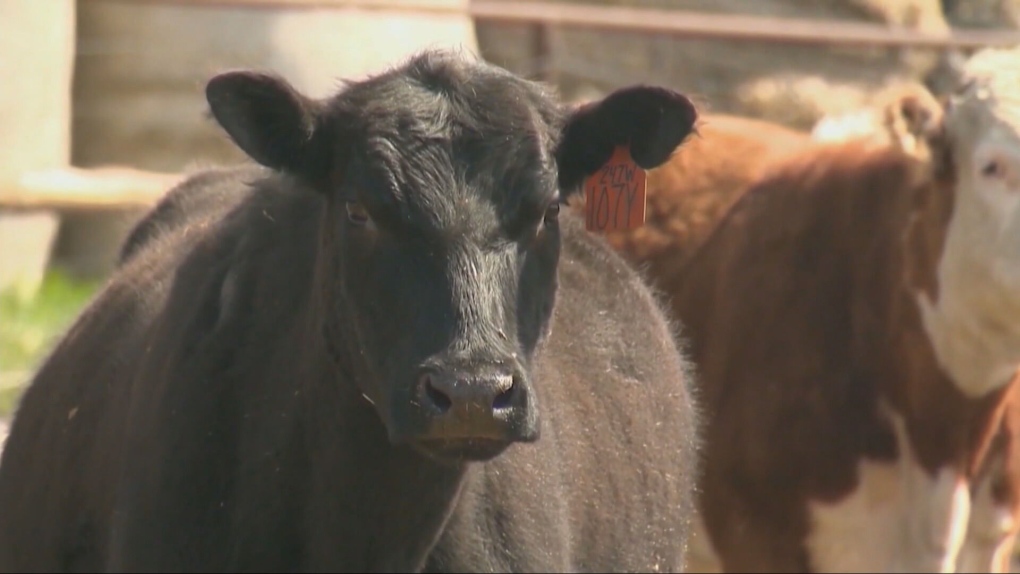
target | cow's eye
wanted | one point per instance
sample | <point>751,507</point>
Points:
<point>552,212</point>
<point>992,169</point>
<point>357,214</point>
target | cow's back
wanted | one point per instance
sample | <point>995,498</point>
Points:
<point>67,436</point>
<point>690,193</point>
<point>196,200</point>
<point>610,484</point>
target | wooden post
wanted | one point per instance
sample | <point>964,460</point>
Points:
<point>542,53</point>
<point>36,64</point>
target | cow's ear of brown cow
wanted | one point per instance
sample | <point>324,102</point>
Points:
<point>270,121</point>
<point>652,120</point>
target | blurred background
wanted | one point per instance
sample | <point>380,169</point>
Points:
<point>102,105</point>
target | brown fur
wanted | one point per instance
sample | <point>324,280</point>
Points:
<point>800,309</point>
<point>690,193</point>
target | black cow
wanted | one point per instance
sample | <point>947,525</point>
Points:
<point>197,196</point>
<point>326,364</point>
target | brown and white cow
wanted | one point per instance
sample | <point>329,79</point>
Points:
<point>855,321</point>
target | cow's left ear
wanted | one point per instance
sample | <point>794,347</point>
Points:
<point>271,121</point>
<point>653,121</point>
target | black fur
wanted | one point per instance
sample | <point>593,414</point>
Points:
<point>240,397</point>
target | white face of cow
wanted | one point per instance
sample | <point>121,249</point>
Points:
<point>975,323</point>
<point>984,127</point>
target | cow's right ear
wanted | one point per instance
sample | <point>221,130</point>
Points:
<point>653,121</point>
<point>268,119</point>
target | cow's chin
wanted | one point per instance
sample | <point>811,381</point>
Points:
<point>461,450</point>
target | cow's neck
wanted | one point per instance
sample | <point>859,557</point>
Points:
<point>372,506</point>
<point>973,321</point>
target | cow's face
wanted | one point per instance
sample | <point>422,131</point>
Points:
<point>983,129</point>
<point>972,316</point>
<point>444,182</point>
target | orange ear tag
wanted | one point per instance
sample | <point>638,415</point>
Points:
<point>615,195</point>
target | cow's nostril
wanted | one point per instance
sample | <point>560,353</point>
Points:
<point>439,400</point>
<point>505,399</point>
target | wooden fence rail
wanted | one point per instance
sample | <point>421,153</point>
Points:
<point>650,20</point>
<point>73,188</point>
<point>115,187</point>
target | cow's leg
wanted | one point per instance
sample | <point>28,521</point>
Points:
<point>992,530</point>
<point>936,519</point>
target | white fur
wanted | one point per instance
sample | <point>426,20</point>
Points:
<point>899,519</point>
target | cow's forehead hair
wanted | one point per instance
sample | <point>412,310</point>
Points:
<point>438,127</point>
<point>444,96</point>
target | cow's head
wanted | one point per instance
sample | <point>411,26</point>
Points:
<point>444,181</point>
<point>973,318</point>
<point>983,135</point>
